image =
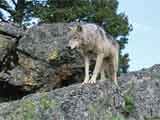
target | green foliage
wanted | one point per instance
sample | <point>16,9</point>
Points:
<point>151,118</point>
<point>28,109</point>
<point>123,63</point>
<point>118,117</point>
<point>129,104</point>
<point>101,110</point>
<point>46,103</point>
<point>63,10</point>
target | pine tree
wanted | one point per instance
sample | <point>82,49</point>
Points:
<point>18,10</point>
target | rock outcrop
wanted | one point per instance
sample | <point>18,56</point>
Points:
<point>137,99</point>
<point>37,59</point>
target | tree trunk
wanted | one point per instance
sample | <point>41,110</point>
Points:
<point>19,14</point>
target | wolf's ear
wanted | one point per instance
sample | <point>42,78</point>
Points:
<point>79,28</point>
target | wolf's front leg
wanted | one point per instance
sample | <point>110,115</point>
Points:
<point>97,68</point>
<point>87,63</point>
<point>103,77</point>
<point>114,78</point>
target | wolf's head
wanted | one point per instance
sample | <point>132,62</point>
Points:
<point>75,36</point>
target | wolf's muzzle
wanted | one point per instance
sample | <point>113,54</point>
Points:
<point>68,47</point>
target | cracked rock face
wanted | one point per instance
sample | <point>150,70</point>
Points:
<point>37,59</point>
<point>41,41</point>
<point>46,44</point>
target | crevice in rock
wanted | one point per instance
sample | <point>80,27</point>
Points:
<point>30,56</point>
<point>8,34</point>
<point>9,61</point>
<point>9,92</point>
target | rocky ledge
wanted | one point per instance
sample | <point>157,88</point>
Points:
<point>137,99</point>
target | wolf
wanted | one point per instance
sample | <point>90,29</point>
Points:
<point>95,44</point>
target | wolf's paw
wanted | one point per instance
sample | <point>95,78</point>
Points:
<point>85,81</point>
<point>92,81</point>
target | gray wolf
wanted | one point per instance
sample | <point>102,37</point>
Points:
<point>93,42</point>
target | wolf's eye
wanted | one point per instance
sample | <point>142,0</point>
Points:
<point>74,37</point>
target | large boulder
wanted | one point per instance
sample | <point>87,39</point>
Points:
<point>47,43</point>
<point>37,59</point>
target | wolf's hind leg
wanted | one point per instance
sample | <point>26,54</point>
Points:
<point>113,70</point>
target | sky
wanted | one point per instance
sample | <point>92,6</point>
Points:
<point>144,42</point>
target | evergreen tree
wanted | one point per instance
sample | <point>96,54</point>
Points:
<point>18,10</point>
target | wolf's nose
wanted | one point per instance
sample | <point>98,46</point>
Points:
<point>68,47</point>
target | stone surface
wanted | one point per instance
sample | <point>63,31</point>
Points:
<point>37,59</point>
<point>101,101</point>
<point>11,29</point>
<point>45,42</point>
